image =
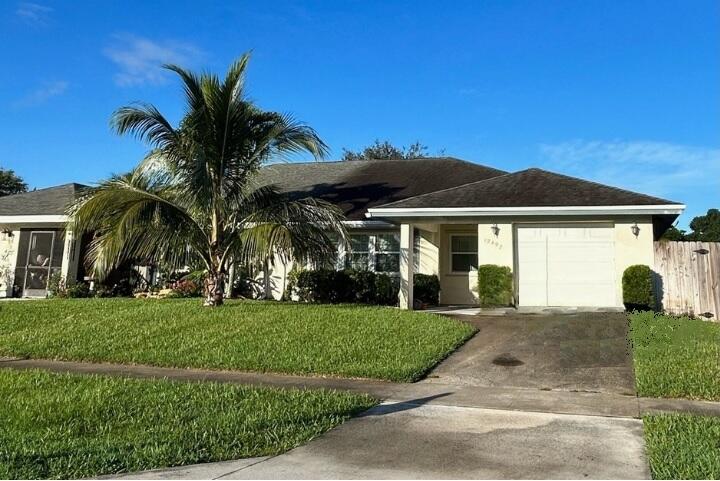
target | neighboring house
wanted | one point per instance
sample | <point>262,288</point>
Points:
<point>33,243</point>
<point>566,240</point>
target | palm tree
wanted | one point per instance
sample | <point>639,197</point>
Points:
<point>195,194</point>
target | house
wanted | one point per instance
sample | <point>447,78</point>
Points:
<point>566,240</point>
<point>34,245</point>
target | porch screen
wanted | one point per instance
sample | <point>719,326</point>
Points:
<point>39,258</point>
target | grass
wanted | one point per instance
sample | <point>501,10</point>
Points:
<point>73,426</point>
<point>336,340</point>
<point>676,357</point>
<point>683,446</point>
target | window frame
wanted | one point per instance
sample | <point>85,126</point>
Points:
<point>346,256</point>
<point>372,252</point>
<point>451,253</point>
<point>376,251</point>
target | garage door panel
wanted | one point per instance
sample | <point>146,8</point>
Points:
<point>532,257</point>
<point>533,285</point>
<point>577,263</point>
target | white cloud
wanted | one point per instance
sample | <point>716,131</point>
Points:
<point>33,13</point>
<point>140,59</point>
<point>658,168</point>
<point>43,93</point>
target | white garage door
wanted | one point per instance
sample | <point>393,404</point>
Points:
<point>566,265</point>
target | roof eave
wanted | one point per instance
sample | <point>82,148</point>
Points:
<point>33,219</point>
<point>390,212</point>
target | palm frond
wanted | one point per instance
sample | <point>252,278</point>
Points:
<point>134,218</point>
<point>195,188</point>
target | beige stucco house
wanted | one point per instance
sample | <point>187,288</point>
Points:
<point>566,240</point>
<point>34,244</point>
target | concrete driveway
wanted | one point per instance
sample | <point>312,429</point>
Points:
<point>411,441</point>
<point>573,352</point>
<point>425,434</point>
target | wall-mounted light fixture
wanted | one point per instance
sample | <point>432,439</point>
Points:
<point>495,229</point>
<point>7,233</point>
<point>635,229</point>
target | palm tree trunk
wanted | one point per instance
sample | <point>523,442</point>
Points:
<point>214,289</point>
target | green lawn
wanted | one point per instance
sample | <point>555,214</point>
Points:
<point>676,357</point>
<point>350,341</point>
<point>683,446</point>
<point>73,426</point>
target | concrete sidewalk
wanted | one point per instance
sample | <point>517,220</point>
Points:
<point>426,441</point>
<point>487,397</point>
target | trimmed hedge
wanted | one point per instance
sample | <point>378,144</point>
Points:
<point>495,285</point>
<point>333,287</point>
<point>324,285</point>
<point>386,290</point>
<point>426,288</point>
<point>363,286</point>
<point>638,290</point>
<point>356,286</point>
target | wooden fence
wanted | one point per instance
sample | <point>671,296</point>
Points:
<point>688,280</point>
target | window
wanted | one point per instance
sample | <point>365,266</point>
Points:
<point>374,252</point>
<point>463,253</point>
<point>359,256</point>
<point>387,253</point>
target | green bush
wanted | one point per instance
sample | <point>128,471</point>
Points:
<point>638,290</point>
<point>495,285</point>
<point>58,287</point>
<point>426,288</point>
<point>330,286</point>
<point>386,290</point>
<point>363,286</point>
<point>324,285</point>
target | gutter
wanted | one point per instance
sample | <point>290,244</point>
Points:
<point>380,212</point>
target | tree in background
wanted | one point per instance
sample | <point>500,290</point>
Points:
<point>11,183</point>
<point>195,198</point>
<point>386,151</point>
<point>705,228</point>
<point>674,234</point>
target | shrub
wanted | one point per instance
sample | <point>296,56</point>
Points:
<point>638,290</point>
<point>78,290</point>
<point>386,290</point>
<point>324,285</point>
<point>58,287</point>
<point>495,285</point>
<point>330,286</point>
<point>363,286</point>
<point>426,288</point>
<point>186,288</point>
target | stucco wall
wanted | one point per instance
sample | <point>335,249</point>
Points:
<point>8,258</point>
<point>492,248</point>
<point>427,239</point>
<point>456,288</point>
<point>426,259</point>
<point>433,253</point>
<point>631,250</point>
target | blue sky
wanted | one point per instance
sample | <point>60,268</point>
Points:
<point>626,93</point>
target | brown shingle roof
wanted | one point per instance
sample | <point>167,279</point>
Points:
<point>529,188</point>
<point>50,201</point>
<point>356,186</point>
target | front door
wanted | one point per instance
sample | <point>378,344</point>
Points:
<point>39,263</point>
